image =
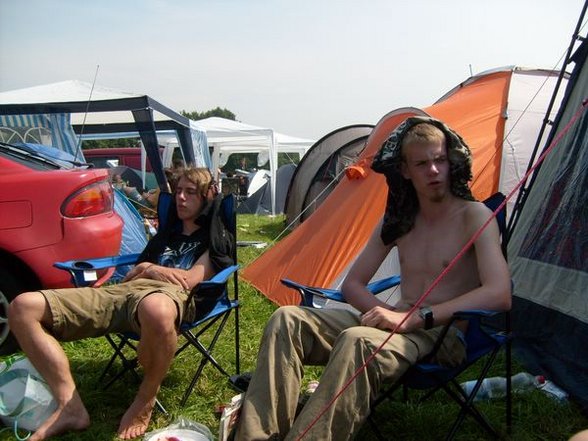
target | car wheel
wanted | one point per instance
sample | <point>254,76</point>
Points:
<point>9,288</point>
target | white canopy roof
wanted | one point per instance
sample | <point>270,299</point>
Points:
<point>227,136</point>
<point>64,91</point>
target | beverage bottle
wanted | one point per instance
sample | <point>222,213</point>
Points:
<point>553,391</point>
<point>495,387</point>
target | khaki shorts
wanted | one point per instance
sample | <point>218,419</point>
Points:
<point>92,312</point>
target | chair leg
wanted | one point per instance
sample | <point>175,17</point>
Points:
<point>237,353</point>
<point>467,406</point>
<point>127,364</point>
<point>509,389</point>
<point>375,429</point>
<point>206,353</point>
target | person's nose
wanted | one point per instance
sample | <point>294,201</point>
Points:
<point>433,169</point>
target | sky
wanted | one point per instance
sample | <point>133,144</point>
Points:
<point>301,67</point>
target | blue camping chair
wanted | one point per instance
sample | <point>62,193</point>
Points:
<point>486,334</point>
<point>95,272</point>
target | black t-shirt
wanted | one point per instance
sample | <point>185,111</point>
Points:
<point>213,235</point>
<point>183,251</point>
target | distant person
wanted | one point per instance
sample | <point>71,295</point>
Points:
<point>151,198</point>
<point>151,301</point>
<point>430,207</point>
<point>178,163</point>
<point>243,186</point>
<point>130,192</point>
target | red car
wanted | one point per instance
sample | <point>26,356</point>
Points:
<point>50,211</point>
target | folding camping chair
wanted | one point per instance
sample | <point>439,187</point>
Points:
<point>483,340</point>
<point>85,273</point>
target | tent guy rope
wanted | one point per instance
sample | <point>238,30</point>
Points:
<point>79,146</point>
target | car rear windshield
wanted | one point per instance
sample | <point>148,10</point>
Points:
<point>27,159</point>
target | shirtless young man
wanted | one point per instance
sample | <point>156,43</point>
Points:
<point>152,302</point>
<point>430,216</point>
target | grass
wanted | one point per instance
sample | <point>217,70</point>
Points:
<point>535,416</point>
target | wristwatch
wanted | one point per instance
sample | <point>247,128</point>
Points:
<point>426,313</point>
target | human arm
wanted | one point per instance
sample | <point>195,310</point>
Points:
<point>354,286</point>
<point>188,279</point>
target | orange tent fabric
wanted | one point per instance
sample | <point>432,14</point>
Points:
<point>318,250</point>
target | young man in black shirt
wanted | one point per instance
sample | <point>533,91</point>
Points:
<point>151,301</point>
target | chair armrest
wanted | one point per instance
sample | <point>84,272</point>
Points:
<point>210,296</point>
<point>219,278</point>
<point>85,272</point>
<point>383,284</point>
<point>307,293</point>
<point>471,313</point>
<point>474,332</point>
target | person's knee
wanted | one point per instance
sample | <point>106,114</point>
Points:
<point>284,319</point>
<point>352,349</point>
<point>26,308</point>
<point>157,312</point>
<point>353,334</point>
<point>354,339</point>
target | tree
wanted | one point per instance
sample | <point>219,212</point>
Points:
<point>222,113</point>
<point>109,143</point>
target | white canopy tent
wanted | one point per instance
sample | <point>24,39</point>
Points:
<point>226,136</point>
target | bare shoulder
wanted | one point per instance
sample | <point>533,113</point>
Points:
<point>475,210</point>
<point>476,215</point>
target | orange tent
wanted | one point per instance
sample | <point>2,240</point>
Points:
<point>319,251</point>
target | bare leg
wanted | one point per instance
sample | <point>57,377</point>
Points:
<point>157,315</point>
<point>28,317</point>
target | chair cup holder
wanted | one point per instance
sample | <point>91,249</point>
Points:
<point>83,265</point>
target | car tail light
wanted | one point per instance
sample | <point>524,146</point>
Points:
<point>93,199</point>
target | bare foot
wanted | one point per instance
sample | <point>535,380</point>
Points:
<point>136,419</point>
<point>71,416</point>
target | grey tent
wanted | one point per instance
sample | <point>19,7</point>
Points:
<point>548,249</point>
<point>260,201</point>
<point>321,168</point>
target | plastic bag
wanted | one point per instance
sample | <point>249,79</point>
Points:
<point>181,430</point>
<point>230,417</point>
<point>25,399</point>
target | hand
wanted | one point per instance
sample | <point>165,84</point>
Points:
<point>388,320</point>
<point>138,271</point>
<point>170,275</point>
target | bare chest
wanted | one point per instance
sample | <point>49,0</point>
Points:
<point>425,253</point>
<point>430,250</point>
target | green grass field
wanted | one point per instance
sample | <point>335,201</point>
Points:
<point>535,416</point>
